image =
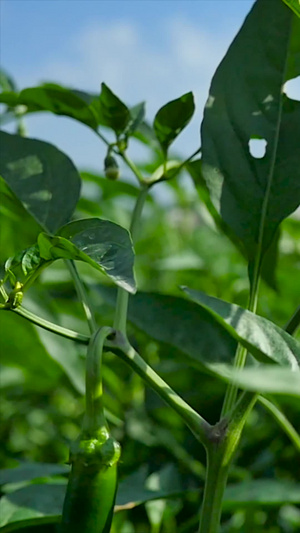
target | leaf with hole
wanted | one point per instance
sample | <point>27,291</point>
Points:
<point>246,101</point>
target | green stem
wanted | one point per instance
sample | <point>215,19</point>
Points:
<point>82,295</point>
<point>293,323</point>
<point>222,443</point>
<point>36,273</point>
<point>215,484</point>
<point>241,352</point>
<point>50,326</point>
<point>132,167</point>
<point>282,421</point>
<point>94,419</point>
<point>198,425</point>
<point>232,390</point>
<point>120,319</point>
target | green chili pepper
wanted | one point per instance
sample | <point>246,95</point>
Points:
<point>91,491</point>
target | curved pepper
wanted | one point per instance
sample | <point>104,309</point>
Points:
<point>91,492</point>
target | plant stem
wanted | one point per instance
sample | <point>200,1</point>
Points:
<point>215,484</point>
<point>293,323</point>
<point>120,319</point>
<point>83,297</point>
<point>132,167</point>
<point>94,418</point>
<point>223,441</point>
<point>50,326</point>
<point>198,425</point>
<point>241,352</point>
<point>231,391</point>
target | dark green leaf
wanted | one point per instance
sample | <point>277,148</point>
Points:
<point>266,341</point>
<point>113,113</point>
<point>196,172</point>
<point>104,245</point>
<point>172,118</point>
<point>29,471</point>
<point>56,99</point>
<point>261,492</point>
<point>26,351</point>
<point>180,324</point>
<point>31,505</point>
<point>42,503</point>
<point>42,177</point>
<point>246,101</point>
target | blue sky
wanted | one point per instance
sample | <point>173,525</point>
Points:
<point>144,50</point>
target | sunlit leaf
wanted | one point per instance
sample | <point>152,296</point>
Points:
<point>270,379</point>
<point>102,244</point>
<point>266,341</point>
<point>294,5</point>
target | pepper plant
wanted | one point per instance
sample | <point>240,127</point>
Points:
<point>245,198</point>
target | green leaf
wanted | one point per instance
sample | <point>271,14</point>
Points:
<point>67,355</point>
<point>56,99</point>
<point>104,245</point>
<point>32,505</point>
<point>261,492</point>
<point>7,83</point>
<point>113,112</point>
<point>137,115</point>
<point>270,379</point>
<point>270,261</point>
<point>294,5</point>
<point>28,259</point>
<point>111,189</point>
<point>179,323</point>
<point>26,351</point>
<point>195,170</point>
<point>30,471</point>
<point>246,100</point>
<point>42,177</point>
<point>266,341</point>
<point>172,118</point>
<point>42,503</point>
